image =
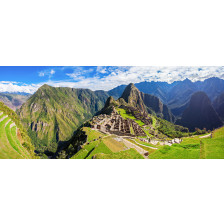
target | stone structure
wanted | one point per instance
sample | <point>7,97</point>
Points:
<point>115,124</point>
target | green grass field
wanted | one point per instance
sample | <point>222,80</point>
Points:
<point>213,148</point>
<point>194,148</point>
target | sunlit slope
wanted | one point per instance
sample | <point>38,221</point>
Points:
<point>213,148</point>
<point>196,147</point>
<point>102,146</point>
<point>14,142</point>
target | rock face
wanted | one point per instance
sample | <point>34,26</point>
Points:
<point>53,114</point>
<point>200,114</point>
<point>218,104</point>
<point>146,103</point>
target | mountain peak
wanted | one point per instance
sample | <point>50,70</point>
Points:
<point>45,86</point>
<point>200,113</point>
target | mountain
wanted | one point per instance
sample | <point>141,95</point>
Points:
<point>146,102</point>
<point>212,87</point>
<point>14,141</point>
<point>200,114</point>
<point>117,91</point>
<point>218,104</point>
<point>53,114</point>
<point>13,101</point>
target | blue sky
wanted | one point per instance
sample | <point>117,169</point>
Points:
<point>29,78</point>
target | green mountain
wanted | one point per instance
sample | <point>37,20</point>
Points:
<point>13,101</point>
<point>14,141</point>
<point>51,115</point>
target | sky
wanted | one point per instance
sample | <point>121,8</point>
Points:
<point>29,78</point>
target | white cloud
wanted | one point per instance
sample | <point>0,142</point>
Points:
<point>12,87</point>
<point>106,78</point>
<point>48,73</point>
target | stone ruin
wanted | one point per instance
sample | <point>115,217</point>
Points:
<point>115,124</point>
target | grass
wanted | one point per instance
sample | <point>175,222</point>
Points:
<point>100,148</point>
<point>10,138</point>
<point>125,115</point>
<point>176,152</point>
<point>194,148</point>
<point>82,154</point>
<point>127,154</point>
<point>92,134</point>
<point>149,150</point>
<point>213,148</point>
<point>114,145</point>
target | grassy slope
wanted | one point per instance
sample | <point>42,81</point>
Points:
<point>6,150</point>
<point>194,148</point>
<point>213,148</point>
<point>10,145</point>
<point>101,147</point>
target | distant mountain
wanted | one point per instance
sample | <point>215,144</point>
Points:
<point>146,102</point>
<point>117,91</point>
<point>212,87</point>
<point>218,104</point>
<point>176,95</point>
<point>13,100</point>
<point>200,114</point>
<point>53,114</point>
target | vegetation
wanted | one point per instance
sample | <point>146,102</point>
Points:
<point>14,141</point>
<point>53,114</point>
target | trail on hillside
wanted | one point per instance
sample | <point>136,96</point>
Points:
<point>139,149</point>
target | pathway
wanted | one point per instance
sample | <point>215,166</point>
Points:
<point>139,149</point>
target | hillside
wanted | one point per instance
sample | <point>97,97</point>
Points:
<point>200,114</point>
<point>14,141</point>
<point>13,101</point>
<point>52,115</point>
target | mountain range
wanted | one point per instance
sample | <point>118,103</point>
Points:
<point>177,94</point>
<point>14,100</point>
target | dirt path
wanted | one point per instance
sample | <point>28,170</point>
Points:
<point>139,149</point>
<point>206,136</point>
<point>145,145</point>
